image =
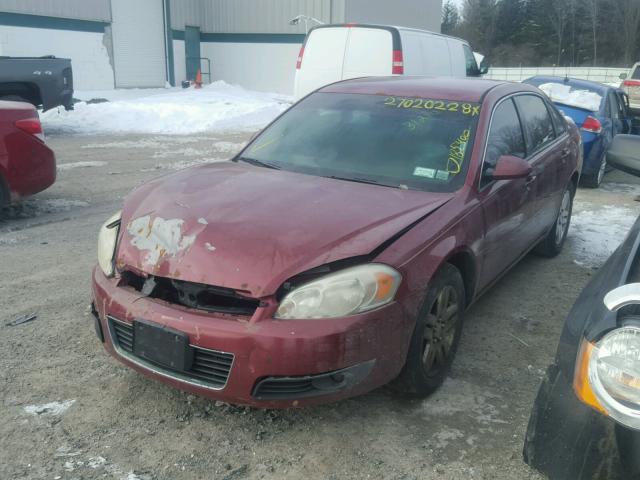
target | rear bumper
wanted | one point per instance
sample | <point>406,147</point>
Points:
<point>567,440</point>
<point>311,361</point>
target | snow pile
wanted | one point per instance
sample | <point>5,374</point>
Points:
<point>215,107</point>
<point>566,95</point>
<point>595,234</point>
<point>53,408</point>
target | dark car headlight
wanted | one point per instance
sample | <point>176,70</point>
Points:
<point>607,375</point>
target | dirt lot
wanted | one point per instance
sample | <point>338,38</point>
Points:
<point>118,424</point>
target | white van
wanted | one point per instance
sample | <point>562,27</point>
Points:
<point>337,52</point>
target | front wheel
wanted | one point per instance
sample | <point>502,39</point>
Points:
<point>554,241</point>
<point>436,335</point>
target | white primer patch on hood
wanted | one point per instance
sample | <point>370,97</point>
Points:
<point>159,237</point>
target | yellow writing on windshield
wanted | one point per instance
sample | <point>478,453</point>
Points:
<point>457,152</point>
<point>470,109</point>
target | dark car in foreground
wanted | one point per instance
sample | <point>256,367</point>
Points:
<point>27,165</point>
<point>45,82</point>
<point>600,111</point>
<point>338,251</point>
<point>585,422</point>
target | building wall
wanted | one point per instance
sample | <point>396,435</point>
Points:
<point>252,16</point>
<point>91,66</point>
<point>96,10</point>
<point>423,14</point>
<point>268,67</point>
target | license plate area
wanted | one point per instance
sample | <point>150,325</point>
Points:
<point>162,345</point>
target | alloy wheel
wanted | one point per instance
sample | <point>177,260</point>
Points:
<point>562,224</point>
<point>440,329</point>
<point>602,170</point>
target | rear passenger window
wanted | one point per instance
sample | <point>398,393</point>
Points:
<point>558,120</point>
<point>536,121</point>
<point>505,137</point>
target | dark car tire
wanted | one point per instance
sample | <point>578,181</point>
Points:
<point>594,180</point>
<point>552,245</point>
<point>429,362</point>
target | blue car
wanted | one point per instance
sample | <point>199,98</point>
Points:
<point>601,112</point>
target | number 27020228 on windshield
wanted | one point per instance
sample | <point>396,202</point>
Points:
<point>437,105</point>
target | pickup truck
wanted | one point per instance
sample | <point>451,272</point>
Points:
<point>45,82</point>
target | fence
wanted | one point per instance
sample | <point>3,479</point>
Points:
<point>602,75</point>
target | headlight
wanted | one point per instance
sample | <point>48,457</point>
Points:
<point>347,292</point>
<point>608,375</point>
<point>107,239</point>
<point>614,373</point>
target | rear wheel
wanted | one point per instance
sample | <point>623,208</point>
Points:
<point>554,241</point>
<point>594,180</point>
<point>436,335</point>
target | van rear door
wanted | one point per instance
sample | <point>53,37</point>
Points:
<point>369,53</point>
<point>323,59</point>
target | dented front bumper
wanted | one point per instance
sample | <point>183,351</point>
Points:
<point>305,361</point>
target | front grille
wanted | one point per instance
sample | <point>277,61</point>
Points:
<point>210,368</point>
<point>193,295</point>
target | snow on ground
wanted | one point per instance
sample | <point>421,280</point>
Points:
<point>596,233</point>
<point>70,165</point>
<point>216,107</point>
<point>567,95</point>
<point>52,408</point>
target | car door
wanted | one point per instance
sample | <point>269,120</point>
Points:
<point>548,158</point>
<point>625,119</point>
<point>505,203</point>
<point>617,119</point>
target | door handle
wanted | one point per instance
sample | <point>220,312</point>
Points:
<point>565,153</point>
<point>530,179</point>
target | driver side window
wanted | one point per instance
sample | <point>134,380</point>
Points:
<point>505,138</point>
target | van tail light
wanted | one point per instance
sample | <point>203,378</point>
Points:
<point>32,126</point>
<point>300,55</point>
<point>631,83</point>
<point>592,125</point>
<point>398,63</point>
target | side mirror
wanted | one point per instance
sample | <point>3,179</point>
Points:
<point>509,167</point>
<point>623,76</point>
<point>624,154</point>
<point>484,67</point>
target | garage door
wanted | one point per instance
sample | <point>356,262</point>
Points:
<point>138,43</point>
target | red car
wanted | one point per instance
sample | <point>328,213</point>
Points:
<point>338,251</point>
<point>27,165</point>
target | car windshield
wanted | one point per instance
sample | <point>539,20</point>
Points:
<point>401,142</point>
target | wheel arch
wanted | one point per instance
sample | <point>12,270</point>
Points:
<point>464,260</point>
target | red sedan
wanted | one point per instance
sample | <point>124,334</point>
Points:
<point>27,165</point>
<point>338,251</point>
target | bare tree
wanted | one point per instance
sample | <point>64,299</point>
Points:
<point>629,14</point>
<point>593,7</point>
<point>558,13</point>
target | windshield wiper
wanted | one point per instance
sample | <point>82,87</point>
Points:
<point>361,180</point>
<point>259,163</point>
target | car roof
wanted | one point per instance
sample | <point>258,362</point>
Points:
<point>574,82</point>
<point>465,89</point>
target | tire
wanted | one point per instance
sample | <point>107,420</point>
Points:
<point>427,366</point>
<point>552,245</point>
<point>594,180</point>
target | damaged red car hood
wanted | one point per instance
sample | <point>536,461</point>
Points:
<point>251,228</point>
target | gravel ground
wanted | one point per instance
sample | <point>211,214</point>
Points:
<point>110,422</point>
